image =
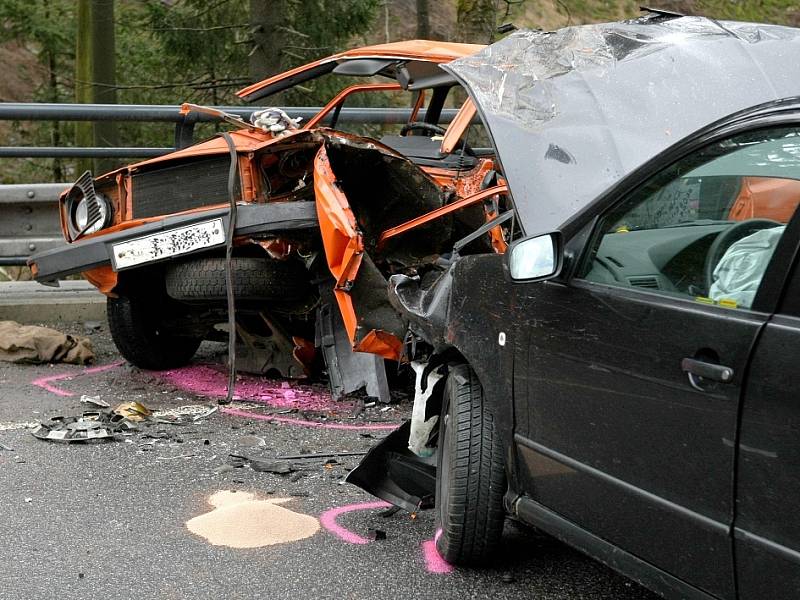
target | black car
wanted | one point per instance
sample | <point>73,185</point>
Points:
<point>625,376</point>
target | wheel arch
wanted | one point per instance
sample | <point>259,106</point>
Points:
<point>496,396</point>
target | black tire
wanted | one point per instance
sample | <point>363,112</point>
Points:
<point>136,331</point>
<point>470,478</point>
<point>203,279</point>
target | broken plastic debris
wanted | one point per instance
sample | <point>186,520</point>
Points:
<point>420,428</point>
<point>95,401</point>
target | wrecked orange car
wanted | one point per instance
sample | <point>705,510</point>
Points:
<point>315,219</point>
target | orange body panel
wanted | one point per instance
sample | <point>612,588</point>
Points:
<point>457,127</point>
<point>381,343</point>
<point>341,96</point>
<point>766,198</point>
<point>440,212</point>
<point>344,245</point>
<point>103,278</point>
<point>410,50</point>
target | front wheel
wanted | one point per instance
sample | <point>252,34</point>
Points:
<point>470,478</point>
<point>136,329</point>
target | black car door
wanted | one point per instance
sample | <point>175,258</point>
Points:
<point>628,377</point>
<point>767,525</point>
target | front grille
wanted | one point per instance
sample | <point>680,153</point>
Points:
<point>175,188</point>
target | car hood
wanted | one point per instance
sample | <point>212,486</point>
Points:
<point>573,111</point>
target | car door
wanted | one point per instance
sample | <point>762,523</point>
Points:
<point>767,525</point>
<point>628,377</point>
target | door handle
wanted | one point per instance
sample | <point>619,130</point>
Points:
<point>698,369</point>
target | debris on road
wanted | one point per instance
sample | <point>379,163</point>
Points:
<point>6,448</point>
<point>113,424</point>
<point>184,415</point>
<point>94,401</point>
<point>262,465</point>
<point>133,411</point>
<point>89,427</point>
<point>31,344</point>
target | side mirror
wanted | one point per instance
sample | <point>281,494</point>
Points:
<point>535,258</point>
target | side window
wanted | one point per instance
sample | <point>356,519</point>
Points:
<point>706,227</point>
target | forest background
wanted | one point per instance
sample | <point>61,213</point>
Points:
<point>202,51</point>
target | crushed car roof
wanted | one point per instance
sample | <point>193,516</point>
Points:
<point>571,112</point>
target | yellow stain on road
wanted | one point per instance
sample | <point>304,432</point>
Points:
<point>239,520</point>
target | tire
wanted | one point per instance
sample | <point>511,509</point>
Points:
<point>203,279</point>
<point>470,475</point>
<point>136,331</point>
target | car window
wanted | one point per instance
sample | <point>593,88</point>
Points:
<point>381,123</point>
<point>706,227</point>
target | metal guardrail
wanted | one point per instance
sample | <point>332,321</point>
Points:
<point>29,220</point>
<point>184,124</point>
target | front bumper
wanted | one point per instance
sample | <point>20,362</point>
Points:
<point>251,219</point>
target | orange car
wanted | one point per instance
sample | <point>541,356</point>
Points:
<point>321,217</point>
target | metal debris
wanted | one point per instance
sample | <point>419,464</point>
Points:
<point>89,427</point>
<point>263,465</point>
<point>95,401</point>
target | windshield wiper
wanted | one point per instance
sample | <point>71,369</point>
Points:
<point>697,223</point>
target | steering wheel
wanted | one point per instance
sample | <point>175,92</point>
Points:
<point>726,238</point>
<point>421,126</point>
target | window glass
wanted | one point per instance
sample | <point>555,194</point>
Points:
<point>706,227</point>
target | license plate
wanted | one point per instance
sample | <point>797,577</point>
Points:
<point>166,244</point>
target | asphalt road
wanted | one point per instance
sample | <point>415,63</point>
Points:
<point>108,520</point>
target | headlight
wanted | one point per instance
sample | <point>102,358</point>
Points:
<point>80,214</point>
<point>86,210</point>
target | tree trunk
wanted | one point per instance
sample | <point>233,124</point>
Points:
<point>95,77</point>
<point>423,20</point>
<point>476,21</point>
<point>83,79</point>
<point>104,76</point>
<point>266,19</point>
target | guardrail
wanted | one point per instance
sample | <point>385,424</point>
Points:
<point>30,221</point>
<point>184,124</point>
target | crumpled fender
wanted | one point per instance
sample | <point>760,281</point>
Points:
<point>344,252</point>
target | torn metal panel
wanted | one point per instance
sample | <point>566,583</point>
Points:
<point>348,371</point>
<point>423,303</point>
<point>573,111</point>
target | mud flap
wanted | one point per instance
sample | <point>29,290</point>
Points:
<point>348,371</point>
<point>390,471</point>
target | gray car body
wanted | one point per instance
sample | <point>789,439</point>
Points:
<point>572,112</point>
<point>579,118</point>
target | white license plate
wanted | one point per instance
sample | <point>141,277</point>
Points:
<point>166,244</point>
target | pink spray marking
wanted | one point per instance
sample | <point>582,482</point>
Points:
<point>434,562</point>
<point>45,382</point>
<point>328,520</point>
<point>205,380</point>
<point>303,423</point>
